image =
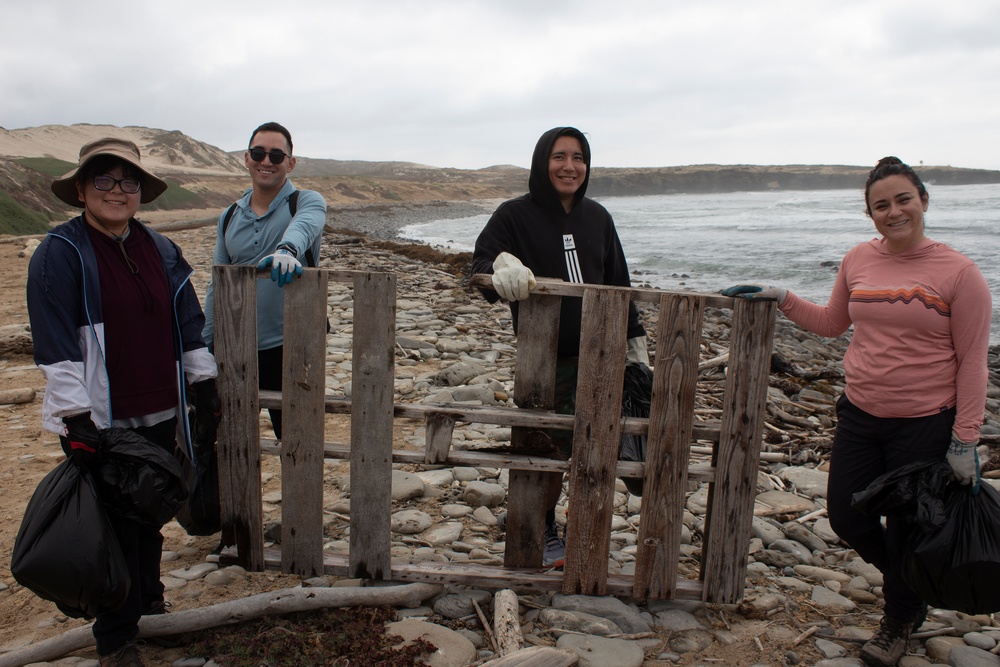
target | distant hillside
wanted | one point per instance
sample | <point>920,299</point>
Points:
<point>203,177</point>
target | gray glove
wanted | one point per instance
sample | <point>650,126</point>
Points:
<point>636,353</point>
<point>511,279</point>
<point>756,292</point>
<point>964,460</point>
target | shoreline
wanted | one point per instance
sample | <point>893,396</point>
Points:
<point>380,222</point>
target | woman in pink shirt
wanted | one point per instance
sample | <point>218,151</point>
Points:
<point>916,373</point>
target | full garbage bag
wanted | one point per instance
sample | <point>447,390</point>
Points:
<point>952,542</point>
<point>138,479</point>
<point>637,391</point>
<point>200,514</point>
<point>65,550</point>
<point>957,564</point>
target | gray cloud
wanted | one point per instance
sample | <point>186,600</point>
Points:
<point>471,84</point>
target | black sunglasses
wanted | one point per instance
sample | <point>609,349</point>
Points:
<point>277,156</point>
<point>128,185</point>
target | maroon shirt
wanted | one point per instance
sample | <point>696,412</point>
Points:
<point>138,324</point>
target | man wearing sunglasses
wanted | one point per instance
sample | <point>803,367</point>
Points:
<point>272,226</point>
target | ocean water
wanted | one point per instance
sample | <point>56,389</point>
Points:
<point>794,239</point>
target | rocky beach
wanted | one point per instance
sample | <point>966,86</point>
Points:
<point>809,599</point>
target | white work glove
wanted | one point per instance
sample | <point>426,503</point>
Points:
<point>964,460</point>
<point>511,279</point>
<point>284,266</point>
<point>636,353</point>
<point>756,292</point>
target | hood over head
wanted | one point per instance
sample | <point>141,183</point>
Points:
<point>539,185</point>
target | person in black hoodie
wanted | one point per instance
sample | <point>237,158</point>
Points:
<point>555,231</point>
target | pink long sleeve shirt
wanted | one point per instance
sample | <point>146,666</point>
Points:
<point>921,331</point>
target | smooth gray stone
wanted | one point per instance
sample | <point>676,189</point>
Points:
<point>406,485</point>
<point>484,494</point>
<point>602,652</point>
<point>797,549</point>
<point>690,641</point>
<point>767,531</point>
<point>802,535</point>
<point>809,481</point>
<point>675,620</point>
<point>457,605</point>
<point>410,522</point>
<point>579,621</point>
<point>970,656</point>
<point>627,618</point>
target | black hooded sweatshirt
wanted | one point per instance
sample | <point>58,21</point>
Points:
<point>581,246</point>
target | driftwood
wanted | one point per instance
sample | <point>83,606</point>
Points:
<point>536,656</point>
<point>283,601</point>
<point>23,395</point>
<point>507,622</point>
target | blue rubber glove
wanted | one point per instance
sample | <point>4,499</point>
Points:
<point>284,266</point>
<point>964,461</point>
<point>756,292</point>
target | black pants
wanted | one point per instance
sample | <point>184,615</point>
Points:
<point>269,370</point>
<point>864,448</point>
<point>141,545</point>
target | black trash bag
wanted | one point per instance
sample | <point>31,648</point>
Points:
<point>637,391</point>
<point>65,550</point>
<point>957,564</point>
<point>137,479</point>
<point>951,553</point>
<point>914,492</point>
<point>200,514</point>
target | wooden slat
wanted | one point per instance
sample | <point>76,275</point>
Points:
<point>475,414</point>
<point>303,391</point>
<point>478,459</point>
<point>439,429</point>
<point>479,576</point>
<point>730,508</point>
<point>235,309</point>
<point>554,287</point>
<point>534,384</point>
<point>675,378</point>
<point>595,440</point>
<point>371,423</point>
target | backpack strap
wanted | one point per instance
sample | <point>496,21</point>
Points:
<point>293,206</point>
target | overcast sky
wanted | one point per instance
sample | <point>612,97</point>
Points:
<point>469,83</point>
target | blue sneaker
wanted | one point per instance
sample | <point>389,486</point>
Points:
<point>555,548</point>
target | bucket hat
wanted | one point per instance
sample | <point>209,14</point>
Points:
<point>65,187</point>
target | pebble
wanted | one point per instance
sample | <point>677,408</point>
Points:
<point>454,346</point>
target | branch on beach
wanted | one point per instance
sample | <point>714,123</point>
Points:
<point>272,603</point>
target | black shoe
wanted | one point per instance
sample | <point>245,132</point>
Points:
<point>888,644</point>
<point>126,656</point>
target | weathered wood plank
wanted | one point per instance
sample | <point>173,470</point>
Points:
<point>235,308</point>
<point>440,428</point>
<point>534,386</point>
<point>675,378</point>
<point>474,414</point>
<point>477,459</point>
<point>596,438</point>
<point>553,287</point>
<point>730,500</point>
<point>303,391</point>
<point>479,576</point>
<point>371,422</point>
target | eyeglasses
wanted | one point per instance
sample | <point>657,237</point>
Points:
<point>128,185</point>
<point>277,156</point>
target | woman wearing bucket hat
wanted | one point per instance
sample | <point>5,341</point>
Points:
<point>117,335</point>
